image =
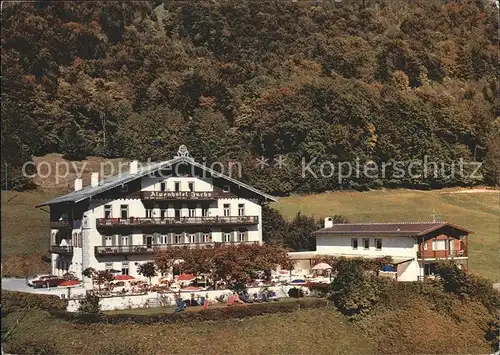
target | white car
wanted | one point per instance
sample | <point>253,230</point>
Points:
<point>38,278</point>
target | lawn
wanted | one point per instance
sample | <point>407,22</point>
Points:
<point>322,331</point>
<point>25,229</point>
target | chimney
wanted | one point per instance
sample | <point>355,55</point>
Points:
<point>328,222</point>
<point>78,184</point>
<point>133,167</point>
<point>94,179</point>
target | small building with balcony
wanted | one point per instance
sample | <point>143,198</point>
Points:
<point>415,247</point>
<point>120,222</point>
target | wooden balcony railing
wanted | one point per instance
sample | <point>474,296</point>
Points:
<point>441,254</point>
<point>61,224</point>
<point>171,221</point>
<point>149,249</point>
<point>56,249</point>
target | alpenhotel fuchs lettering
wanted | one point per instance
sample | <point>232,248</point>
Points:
<point>182,195</point>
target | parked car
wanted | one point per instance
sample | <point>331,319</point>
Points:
<point>51,281</point>
<point>38,278</point>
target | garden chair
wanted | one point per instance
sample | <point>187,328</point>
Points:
<point>180,305</point>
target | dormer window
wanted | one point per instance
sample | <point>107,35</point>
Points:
<point>124,188</point>
<point>226,188</point>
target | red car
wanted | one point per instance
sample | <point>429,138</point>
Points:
<point>51,281</point>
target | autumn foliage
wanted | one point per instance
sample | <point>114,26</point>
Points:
<point>228,263</point>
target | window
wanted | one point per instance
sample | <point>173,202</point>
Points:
<point>163,214</point>
<point>108,240</point>
<point>163,239</point>
<point>177,185</point>
<point>124,211</point>
<point>191,186</point>
<point>227,237</point>
<point>109,266</point>
<point>439,245</point>
<point>241,209</point>
<point>206,238</point>
<point>125,266</point>
<point>366,243</point>
<point>124,240</point>
<point>178,239</point>
<point>192,210</point>
<point>226,188</point>
<point>107,211</point>
<point>204,211</point>
<point>242,236</point>
<point>192,238</point>
<point>425,245</point>
<point>163,186</point>
<point>149,213</point>
<point>177,212</point>
<point>354,243</point>
<point>378,244</point>
<point>227,210</point>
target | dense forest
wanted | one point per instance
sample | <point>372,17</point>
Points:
<point>378,80</point>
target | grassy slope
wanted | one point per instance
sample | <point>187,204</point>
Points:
<point>323,330</point>
<point>478,212</point>
<point>25,228</point>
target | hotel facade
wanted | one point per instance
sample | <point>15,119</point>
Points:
<point>117,224</point>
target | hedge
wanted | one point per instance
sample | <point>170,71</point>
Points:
<point>211,314</point>
<point>13,301</point>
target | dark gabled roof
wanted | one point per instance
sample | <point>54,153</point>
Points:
<point>115,181</point>
<point>395,229</point>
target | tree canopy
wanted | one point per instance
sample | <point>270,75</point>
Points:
<point>377,80</point>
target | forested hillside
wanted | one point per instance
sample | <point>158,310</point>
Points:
<point>377,80</point>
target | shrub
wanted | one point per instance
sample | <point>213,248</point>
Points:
<point>353,291</point>
<point>89,307</point>
<point>319,289</point>
<point>212,314</point>
<point>457,281</point>
<point>16,301</point>
<point>295,292</point>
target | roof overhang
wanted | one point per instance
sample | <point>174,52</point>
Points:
<point>111,183</point>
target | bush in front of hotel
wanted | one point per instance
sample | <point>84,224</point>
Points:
<point>211,314</point>
<point>13,301</point>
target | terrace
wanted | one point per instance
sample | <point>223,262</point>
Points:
<point>172,221</point>
<point>64,250</point>
<point>149,249</point>
<point>441,254</point>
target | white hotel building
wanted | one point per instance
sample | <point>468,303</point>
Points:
<point>118,223</point>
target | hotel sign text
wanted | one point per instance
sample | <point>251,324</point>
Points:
<point>180,195</point>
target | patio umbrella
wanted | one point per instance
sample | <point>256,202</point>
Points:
<point>186,277</point>
<point>69,283</point>
<point>322,266</point>
<point>298,282</point>
<point>124,277</point>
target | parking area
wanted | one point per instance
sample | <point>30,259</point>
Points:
<point>19,285</point>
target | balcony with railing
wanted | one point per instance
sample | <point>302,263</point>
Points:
<point>441,254</point>
<point>175,221</point>
<point>149,249</point>
<point>61,224</point>
<point>65,250</point>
